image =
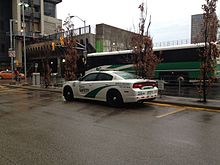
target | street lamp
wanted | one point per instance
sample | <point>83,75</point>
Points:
<point>11,44</point>
<point>84,21</point>
<point>23,5</point>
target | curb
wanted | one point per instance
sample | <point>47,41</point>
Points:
<point>201,105</point>
<point>178,103</point>
<point>56,90</point>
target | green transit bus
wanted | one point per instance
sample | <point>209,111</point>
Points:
<point>179,60</point>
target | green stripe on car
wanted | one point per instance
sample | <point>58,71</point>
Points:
<point>94,92</point>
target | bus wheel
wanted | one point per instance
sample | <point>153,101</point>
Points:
<point>114,98</point>
<point>68,94</point>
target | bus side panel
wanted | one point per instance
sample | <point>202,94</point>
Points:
<point>171,71</point>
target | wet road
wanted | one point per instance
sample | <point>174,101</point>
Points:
<point>39,128</point>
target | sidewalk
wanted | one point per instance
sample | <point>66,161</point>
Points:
<point>32,87</point>
<point>174,100</point>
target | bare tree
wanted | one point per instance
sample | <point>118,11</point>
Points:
<point>70,53</point>
<point>145,61</point>
<point>70,60</point>
<point>46,68</point>
<point>210,53</point>
<point>46,72</point>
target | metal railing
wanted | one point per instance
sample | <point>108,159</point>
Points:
<point>172,43</point>
<point>73,32</point>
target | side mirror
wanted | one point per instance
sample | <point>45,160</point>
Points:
<point>80,78</point>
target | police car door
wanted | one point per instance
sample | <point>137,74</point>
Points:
<point>87,84</point>
<point>103,81</point>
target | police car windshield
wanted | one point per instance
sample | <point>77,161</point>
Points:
<point>126,75</point>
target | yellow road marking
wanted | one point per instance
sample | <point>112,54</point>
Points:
<point>184,108</point>
<point>202,109</point>
<point>163,104</point>
<point>171,113</point>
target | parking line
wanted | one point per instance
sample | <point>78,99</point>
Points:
<point>202,109</point>
<point>171,113</point>
<point>187,107</point>
<point>163,104</point>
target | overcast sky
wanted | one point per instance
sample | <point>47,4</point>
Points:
<point>171,19</point>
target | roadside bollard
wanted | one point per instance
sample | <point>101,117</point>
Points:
<point>180,79</point>
<point>160,87</point>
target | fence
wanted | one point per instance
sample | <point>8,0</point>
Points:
<point>172,43</point>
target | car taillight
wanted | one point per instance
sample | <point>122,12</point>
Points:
<point>137,85</point>
<point>140,85</point>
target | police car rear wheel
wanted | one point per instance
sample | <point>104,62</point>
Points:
<point>114,98</point>
<point>68,94</point>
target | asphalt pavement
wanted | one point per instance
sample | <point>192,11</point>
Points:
<point>163,99</point>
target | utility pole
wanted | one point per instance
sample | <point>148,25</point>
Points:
<point>23,5</point>
<point>85,47</point>
<point>11,45</point>
<point>12,60</point>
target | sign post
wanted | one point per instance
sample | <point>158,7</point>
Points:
<point>11,53</point>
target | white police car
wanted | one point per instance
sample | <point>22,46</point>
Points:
<point>114,87</point>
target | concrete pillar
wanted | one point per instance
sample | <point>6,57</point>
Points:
<point>42,16</point>
<point>16,14</point>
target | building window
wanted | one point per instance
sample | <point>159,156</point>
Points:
<point>1,25</point>
<point>50,9</point>
<point>36,8</point>
<point>3,48</point>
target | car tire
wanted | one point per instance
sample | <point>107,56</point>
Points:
<point>140,102</point>
<point>68,94</point>
<point>152,99</point>
<point>114,98</point>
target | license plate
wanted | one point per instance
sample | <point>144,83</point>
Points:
<point>150,92</point>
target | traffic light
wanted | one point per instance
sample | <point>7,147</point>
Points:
<point>16,62</point>
<point>61,41</point>
<point>53,46</point>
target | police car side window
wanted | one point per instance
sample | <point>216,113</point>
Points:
<point>90,77</point>
<point>104,77</point>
